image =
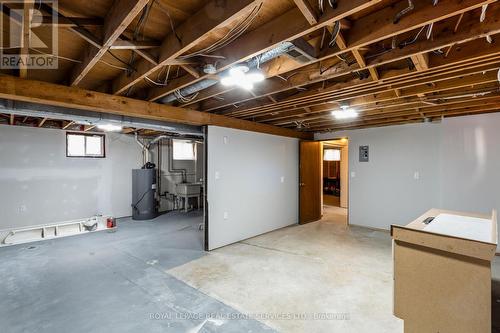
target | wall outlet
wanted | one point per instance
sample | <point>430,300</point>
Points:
<point>226,215</point>
<point>22,208</point>
<point>353,174</point>
<point>282,179</point>
<point>416,175</point>
<point>217,175</point>
<point>225,140</point>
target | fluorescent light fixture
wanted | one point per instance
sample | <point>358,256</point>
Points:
<point>109,127</point>
<point>241,77</point>
<point>331,155</point>
<point>345,113</point>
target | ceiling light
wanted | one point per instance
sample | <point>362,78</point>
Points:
<point>241,77</point>
<point>238,70</point>
<point>331,155</point>
<point>345,113</point>
<point>109,127</point>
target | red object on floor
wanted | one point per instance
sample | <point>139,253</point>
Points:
<point>110,223</point>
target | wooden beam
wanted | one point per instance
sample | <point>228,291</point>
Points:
<point>476,49</point>
<point>67,124</point>
<point>129,130</point>
<point>191,32</point>
<point>12,119</point>
<point>89,128</point>
<point>379,25</point>
<point>289,26</point>
<point>122,44</point>
<point>25,39</point>
<point>405,119</point>
<point>147,56</point>
<point>373,113</point>
<point>80,31</point>
<point>42,122</point>
<point>421,61</point>
<point>64,22</point>
<point>117,20</point>
<point>426,13</point>
<point>191,70</point>
<point>307,10</point>
<point>362,64</point>
<point>360,88</point>
<point>13,88</point>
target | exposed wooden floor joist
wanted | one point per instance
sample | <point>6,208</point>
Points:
<point>357,56</point>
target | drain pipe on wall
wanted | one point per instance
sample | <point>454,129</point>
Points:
<point>145,151</point>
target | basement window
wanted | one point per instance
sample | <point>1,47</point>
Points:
<point>183,150</point>
<point>85,145</point>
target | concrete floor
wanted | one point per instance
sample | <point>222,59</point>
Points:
<point>155,277</point>
<point>322,267</point>
<point>112,282</point>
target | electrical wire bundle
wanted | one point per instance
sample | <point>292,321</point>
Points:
<point>230,36</point>
<point>332,3</point>
<point>184,99</point>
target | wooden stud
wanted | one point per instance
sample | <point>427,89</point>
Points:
<point>117,20</point>
<point>42,122</point>
<point>420,18</point>
<point>25,39</point>
<point>306,9</point>
<point>421,61</point>
<point>122,44</point>
<point>172,48</point>
<point>191,70</point>
<point>67,124</point>
<point>280,29</point>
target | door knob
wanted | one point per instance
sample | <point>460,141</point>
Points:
<point>302,184</point>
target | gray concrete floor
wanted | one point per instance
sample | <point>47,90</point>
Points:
<point>154,276</point>
<point>322,267</point>
<point>112,282</point>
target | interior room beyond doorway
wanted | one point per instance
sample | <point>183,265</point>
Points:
<point>335,171</point>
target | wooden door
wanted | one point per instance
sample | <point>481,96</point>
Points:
<point>310,181</point>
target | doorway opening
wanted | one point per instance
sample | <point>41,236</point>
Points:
<point>324,181</point>
<point>335,180</point>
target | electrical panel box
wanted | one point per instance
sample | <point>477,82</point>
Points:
<point>364,153</point>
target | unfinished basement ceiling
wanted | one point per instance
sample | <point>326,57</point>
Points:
<point>392,61</point>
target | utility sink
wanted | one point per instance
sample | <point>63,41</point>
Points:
<point>188,188</point>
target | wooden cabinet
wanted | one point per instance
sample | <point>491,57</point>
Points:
<point>442,272</point>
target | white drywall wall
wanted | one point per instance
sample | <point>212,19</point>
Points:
<point>458,161</point>
<point>470,177</point>
<point>384,190</point>
<point>39,184</point>
<point>253,179</point>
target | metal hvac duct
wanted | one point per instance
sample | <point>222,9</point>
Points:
<point>287,48</point>
<point>84,117</point>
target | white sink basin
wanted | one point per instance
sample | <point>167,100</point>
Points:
<point>188,189</point>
